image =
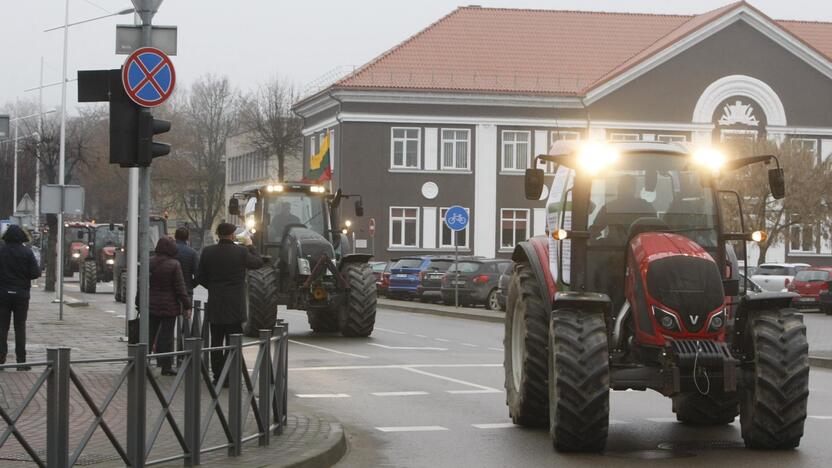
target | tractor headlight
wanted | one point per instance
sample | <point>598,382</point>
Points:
<point>250,223</point>
<point>710,158</point>
<point>666,320</point>
<point>593,157</point>
<point>303,267</point>
<point>76,254</point>
<point>110,261</point>
<point>717,321</point>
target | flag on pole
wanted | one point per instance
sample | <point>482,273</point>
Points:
<point>320,168</point>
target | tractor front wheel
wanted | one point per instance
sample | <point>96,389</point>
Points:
<point>773,401</point>
<point>357,314</point>
<point>262,300</point>
<point>88,277</point>
<point>714,409</point>
<point>579,381</point>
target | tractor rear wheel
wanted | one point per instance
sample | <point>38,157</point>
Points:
<point>579,381</point>
<point>525,355</point>
<point>357,314</point>
<point>262,300</point>
<point>88,277</point>
<point>773,401</point>
<point>322,321</point>
<point>714,409</point>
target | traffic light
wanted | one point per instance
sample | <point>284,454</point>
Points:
<point>147,148</point>
<point>124,126</point>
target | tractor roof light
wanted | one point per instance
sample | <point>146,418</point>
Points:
<point>759,236</point>
<point>317,189</point>
<point>593,157</point>
<point>274,188</point>
<point>560,234</point>
<point>710,158</point>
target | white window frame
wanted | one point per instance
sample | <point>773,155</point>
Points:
<point>514,220</point>
<point>442,227</point>
<point>514,144</point>
<point>672,138</point>
<point>404,219</point>
<point>443,140</point>
<point>558,135</point>
<point>404,141</point>
<point>815,145</point>
<point>625,137</point>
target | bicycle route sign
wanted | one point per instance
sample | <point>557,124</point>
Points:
<point>456,218</point>
<point>148,77</point>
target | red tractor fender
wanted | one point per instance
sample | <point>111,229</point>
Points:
<point>535,252</point>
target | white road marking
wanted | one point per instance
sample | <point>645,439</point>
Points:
<point>442,340</point>
<point>412,428</point>
<point>408,348</point>
<point>469,345</point>
<point>494,425</point>
<point>119,316</point>
<point>322,395</point>
<point>389,366</point>
<point>822,418</point>
<point>110,311</point>
<point>329,349</point>
<point>383,394</point>
<point>497,349</point>
<point>420,336</point>
<point>450,379</point>
<point>473,392</point>
<point>395,332</point>
<point>662,420</point>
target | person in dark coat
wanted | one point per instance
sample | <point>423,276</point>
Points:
<point>188,259</point>
<point>18,268</point>
<point>222,270</point>
<point>168,299</point>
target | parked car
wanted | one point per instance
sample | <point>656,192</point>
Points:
<point>385,279</point>
<point>777,276</point>
<point>378,271</point>
<point>477,282</point>
<point>432,279</point>
<point>408,275</point>
<point>809,283</point>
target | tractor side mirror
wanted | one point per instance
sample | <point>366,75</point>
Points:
<point>533,184</point>
<point>359,208</point>
<point>777,183</point>
<point>234,206</point>
<point>336,199</point>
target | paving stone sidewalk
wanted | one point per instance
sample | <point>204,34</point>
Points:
<point>309,439</point>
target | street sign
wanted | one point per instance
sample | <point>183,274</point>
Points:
<point>456,218</point>
<point>372,227</point>
<point>52,201</point>
<point>148,77</point>
<point>129,38</point>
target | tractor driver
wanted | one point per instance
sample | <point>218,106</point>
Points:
<point>285,217</point>
<point>617,215</point>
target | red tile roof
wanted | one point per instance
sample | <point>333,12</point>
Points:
<point>547,52</point>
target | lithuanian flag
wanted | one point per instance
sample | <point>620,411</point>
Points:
<point>319,166</point>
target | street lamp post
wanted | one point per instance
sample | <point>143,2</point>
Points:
<point>16,121</point>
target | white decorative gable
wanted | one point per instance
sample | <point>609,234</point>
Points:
<point>738,113</point>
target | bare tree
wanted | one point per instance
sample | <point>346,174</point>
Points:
<point>808,192</point>
<point>275,130</point>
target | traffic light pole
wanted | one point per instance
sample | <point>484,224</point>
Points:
<point>146,13</point>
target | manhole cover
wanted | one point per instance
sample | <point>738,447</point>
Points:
<point>650,454</point>
<point>701,445</point>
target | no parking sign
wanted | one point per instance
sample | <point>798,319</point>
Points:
<point>148,77</point>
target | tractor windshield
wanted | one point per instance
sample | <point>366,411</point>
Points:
<point>656,191</point>
<point>294,208</point>
<point>105,237</point>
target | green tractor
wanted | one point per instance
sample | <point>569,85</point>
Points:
<point>105,241</point>
<point>308,267</point>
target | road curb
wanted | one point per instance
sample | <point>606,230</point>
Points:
<point>443,311</point>
<point>322,455</point>
<point>822,362</point>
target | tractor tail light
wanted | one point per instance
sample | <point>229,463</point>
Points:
<point>480,279</point>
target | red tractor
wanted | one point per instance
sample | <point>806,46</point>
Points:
<point>635,288</point>
<point>104,242</point>
<point>76,245</point>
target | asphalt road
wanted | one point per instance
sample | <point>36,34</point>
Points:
<point>427,391</point>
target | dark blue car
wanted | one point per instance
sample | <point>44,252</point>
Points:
<point>418,277</point>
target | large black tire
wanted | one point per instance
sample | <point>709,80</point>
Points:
<point>262,300</point>
<point>88,277</point>
<point>323,321</point>
<point>357,315</point>
<point>773,402</point>
<point>714,409</point>
<point>525,356</point>
<point>579,381</point>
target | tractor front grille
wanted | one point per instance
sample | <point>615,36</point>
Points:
<point>710,353</point>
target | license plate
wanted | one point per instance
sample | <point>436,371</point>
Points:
<point>458,283</point>
<point>401,276</point>
<point>806,299</point>
<point>436,276</point>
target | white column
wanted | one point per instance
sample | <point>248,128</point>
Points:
<point>429,227</point>
<point>541,146</point>
<point>539,221</point>
<point>431,149</point>
<point>485,193</point>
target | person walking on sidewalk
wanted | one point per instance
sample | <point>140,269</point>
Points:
<point>188,259</point>
<point>18,268</point>
<point>222,270</point>
<point>168,298</point>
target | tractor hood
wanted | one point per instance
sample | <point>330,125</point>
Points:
<point>305,243</point>
<point>678,276</point>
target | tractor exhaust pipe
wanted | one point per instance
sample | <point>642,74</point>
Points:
<point>619,322</point>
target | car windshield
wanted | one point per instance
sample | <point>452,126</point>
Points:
<point>379,267</point>
<point>294,208</point>
<point>105,237</point>
<point>775,270</point>
<point>812,275</point>
<point>659,191</point>
<point>465,267</point>
<point>408,263</point>
<point>440,265</point>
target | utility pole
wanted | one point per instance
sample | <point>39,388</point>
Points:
<point>37,147</point>
<point>62,169</point>
<point>145,11</point>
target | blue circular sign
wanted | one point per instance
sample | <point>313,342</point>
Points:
<point>456,218</point>
<point>148,77</point>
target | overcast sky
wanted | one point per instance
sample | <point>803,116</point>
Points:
<point>253,40</point>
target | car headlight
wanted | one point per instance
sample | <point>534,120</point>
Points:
<point>717,321</point>
<point>303,267</point>
<point>666,320</point>
<point>110,261</point>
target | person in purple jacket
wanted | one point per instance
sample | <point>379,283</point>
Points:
<point>168,299</point>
